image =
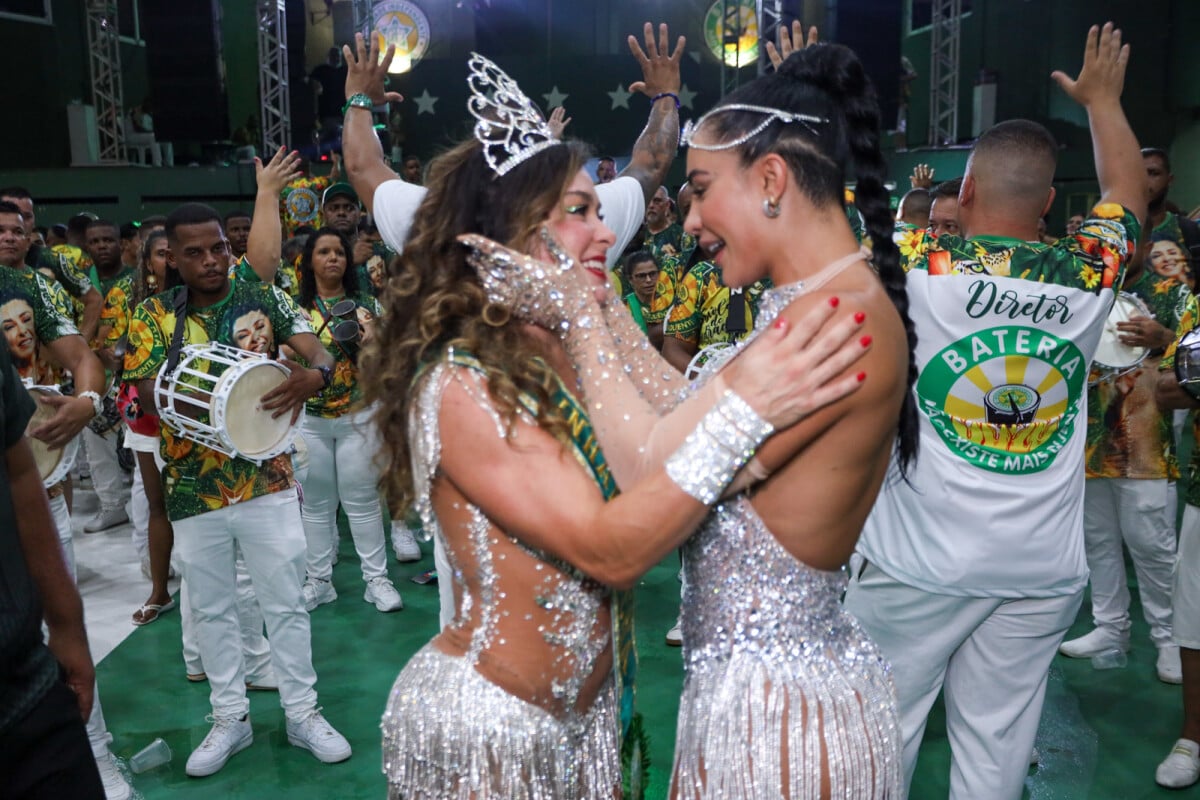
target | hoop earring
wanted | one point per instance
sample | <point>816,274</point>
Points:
<point>771,208</point>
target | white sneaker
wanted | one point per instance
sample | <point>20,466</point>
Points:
<point>405,543</point>
<point>107,518</point>
<point>318,737</point>
<point>1168,667</point>
<point>1098,641</point>
<point>263,682</point>
<point>227,737</point>
<point>1181,767</point>
<point>317,592</point>
<point>675,635</point>
<point>383,594</point>
<point>116,787</point>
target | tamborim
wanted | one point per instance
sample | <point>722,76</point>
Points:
<point>1187,363</point>
<point>1114,358</point>
<point>214,397</point>
<point>52,465</point>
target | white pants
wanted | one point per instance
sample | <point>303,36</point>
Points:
<point>1135,512</point>
<point>270,535</point>
<point>990,656</point>
<point>107,480</point>
<point>97,729</point>
<point>256,650</point>
<point>1186,594</point>
<point>341,468</point>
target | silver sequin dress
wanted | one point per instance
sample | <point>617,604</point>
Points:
<point>451,732</point>
<point>774,665</point>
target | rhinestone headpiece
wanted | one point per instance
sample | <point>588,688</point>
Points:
<point>772,114</point>
<point>510,127</point>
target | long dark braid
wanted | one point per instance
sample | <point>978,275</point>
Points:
<point>828,81</point>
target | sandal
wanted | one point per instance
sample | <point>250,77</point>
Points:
<point>149,612</point>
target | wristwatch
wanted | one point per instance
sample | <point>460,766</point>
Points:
<point>326,376</point>
<point>97,403</point>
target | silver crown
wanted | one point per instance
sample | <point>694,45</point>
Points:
<point>771,114</point>
<point>510,127</point>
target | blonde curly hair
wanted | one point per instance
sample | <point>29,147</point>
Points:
<point>432,299</point>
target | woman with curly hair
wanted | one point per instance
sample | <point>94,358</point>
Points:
<point>336,430</point>
<point>483,434</point>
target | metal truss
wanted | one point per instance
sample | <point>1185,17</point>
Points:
<point>104,62</point>
<point>770,17</point>
<point>274,99</point>
<point>943,71</point>
<point>363,20</point>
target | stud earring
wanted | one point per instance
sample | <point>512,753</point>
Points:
<point>771,208</point>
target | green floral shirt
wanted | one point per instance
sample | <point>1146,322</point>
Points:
<point>285,276</point>
<point>343,395</point>
<point>667,289</point>
<point>252,316</point>
<point>1127,435</point>
<point>701,310</point>
<point>62,269</point>
<point>1088,260</point>
<point>34,311</point>
<point>1187,322</point>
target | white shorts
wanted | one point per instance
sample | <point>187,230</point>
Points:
<point>140,442</point>
<point>1186,594</point>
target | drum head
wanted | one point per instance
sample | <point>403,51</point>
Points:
<point>52,465</point>
<point>250,429</point>
<point>1111,352</point>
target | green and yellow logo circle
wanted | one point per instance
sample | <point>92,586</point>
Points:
<point>1005,399</point>
<point>738,19</point>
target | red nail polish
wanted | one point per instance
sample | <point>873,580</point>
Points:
<point>833,302</point>
<point>865,341</point>
<point>780,324</point>
<point>859,317</point>
<point>862,376</point>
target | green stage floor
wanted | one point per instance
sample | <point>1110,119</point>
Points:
<point>1102,733</point>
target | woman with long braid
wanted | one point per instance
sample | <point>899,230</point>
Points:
<point>784,694</point>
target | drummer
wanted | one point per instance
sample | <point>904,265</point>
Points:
<point>1130,464</point>
<point>34,316</point>
<point>114,280</point>
<point>217,502</point>
<point>340,466</point>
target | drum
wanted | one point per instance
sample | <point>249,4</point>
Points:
<point>1114,358</point>
<point>214,397</point>
<point>52,465</point>
<point>708,362</point>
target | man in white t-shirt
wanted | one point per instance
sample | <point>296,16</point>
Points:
<point>974,563</point>
<point>393,202</point>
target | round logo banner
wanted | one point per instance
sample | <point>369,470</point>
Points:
<point>403,24</point>
<point>1005,399</point>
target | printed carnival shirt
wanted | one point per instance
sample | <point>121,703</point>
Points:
<point>993,505</point>
<point>286,277</point>
<point>666,290</point>
<point>1127,435</point>
<point>700,314</point>
<point>1187,323</point>
<point>670,241</point>
<point>117,292</point>
<point>343,395</point>
<point>253,316</point>
<point>34,311</point>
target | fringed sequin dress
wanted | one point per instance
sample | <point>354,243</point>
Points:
<point>781,686</point>
<point>477,725</point>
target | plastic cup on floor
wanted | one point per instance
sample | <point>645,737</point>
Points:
<point>152,755</point>
<point>1112,658</point>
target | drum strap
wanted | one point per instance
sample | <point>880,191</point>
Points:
<point>181,299</point>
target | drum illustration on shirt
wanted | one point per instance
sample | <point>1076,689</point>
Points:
<point>1005,399</point>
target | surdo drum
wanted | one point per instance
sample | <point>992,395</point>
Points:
<point>214,397</point>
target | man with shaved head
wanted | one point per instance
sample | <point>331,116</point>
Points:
<point>979,554</point>
<point>914,208</point>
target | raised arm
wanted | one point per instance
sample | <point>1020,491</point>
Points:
<point>655,148</point>
<point>93,307</point>
<point>362,153</point>
<point>1098,88</point>
<point>265,243</point>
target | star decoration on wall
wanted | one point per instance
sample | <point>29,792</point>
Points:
<point>686,96</point>
<point>555,98</point>
<point>425,103</point>
<point>620,98</point>
<point>695,54</point>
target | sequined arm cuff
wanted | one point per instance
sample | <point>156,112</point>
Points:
<point>721,444</point>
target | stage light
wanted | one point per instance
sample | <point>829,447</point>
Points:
<point>731,31</point>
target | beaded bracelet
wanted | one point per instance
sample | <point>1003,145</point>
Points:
<point>359,100</point>
<point>661,95</point>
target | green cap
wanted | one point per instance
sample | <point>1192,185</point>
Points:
<point>341,189</point>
